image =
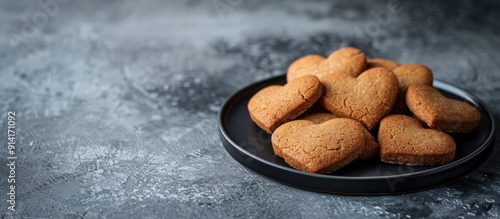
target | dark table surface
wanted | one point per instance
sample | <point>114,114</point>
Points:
<point>116,101</point>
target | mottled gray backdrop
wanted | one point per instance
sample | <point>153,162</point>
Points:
<point>116,101</point>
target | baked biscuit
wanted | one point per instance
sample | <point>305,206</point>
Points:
<point>409,74</point>
<point>319,148</point>
<point>371,148</point>
<point>275,105</point>
<point>367,98</point>
<point>346,60</point>
<point>440,112</point>
<point>403,140</point>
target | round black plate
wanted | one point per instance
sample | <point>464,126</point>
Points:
<point>251,146</point>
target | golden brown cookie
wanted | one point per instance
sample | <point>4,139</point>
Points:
<point>440,112</point>
<point>379,62</point>
<point>403,140</point>
<point>275,105</point>
<point>319,148</point>
<point>346,60</point>
<point>371,148</point>
<point>367,98</point>
<point>409,74</point>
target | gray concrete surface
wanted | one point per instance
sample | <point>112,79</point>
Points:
<point>116,101</point>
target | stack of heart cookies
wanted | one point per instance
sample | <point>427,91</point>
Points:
<point>330,109</point>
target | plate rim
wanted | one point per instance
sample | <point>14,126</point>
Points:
<point>239,94</point>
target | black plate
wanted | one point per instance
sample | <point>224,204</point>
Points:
<point>251,146</point>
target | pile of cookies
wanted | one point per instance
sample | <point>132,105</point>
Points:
<point>327,113</point>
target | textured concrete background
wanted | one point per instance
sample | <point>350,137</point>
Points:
<point>116,101</point>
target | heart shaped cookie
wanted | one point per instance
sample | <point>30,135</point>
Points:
<point>403,140</point>
<point>367,98</point>
<point>409,74</point>
<point>275,105</point>
<point>319,148</point>
<point>347,60</point>
<point>379,62</point>
<point>440,112</point>
<point>371,148</point>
